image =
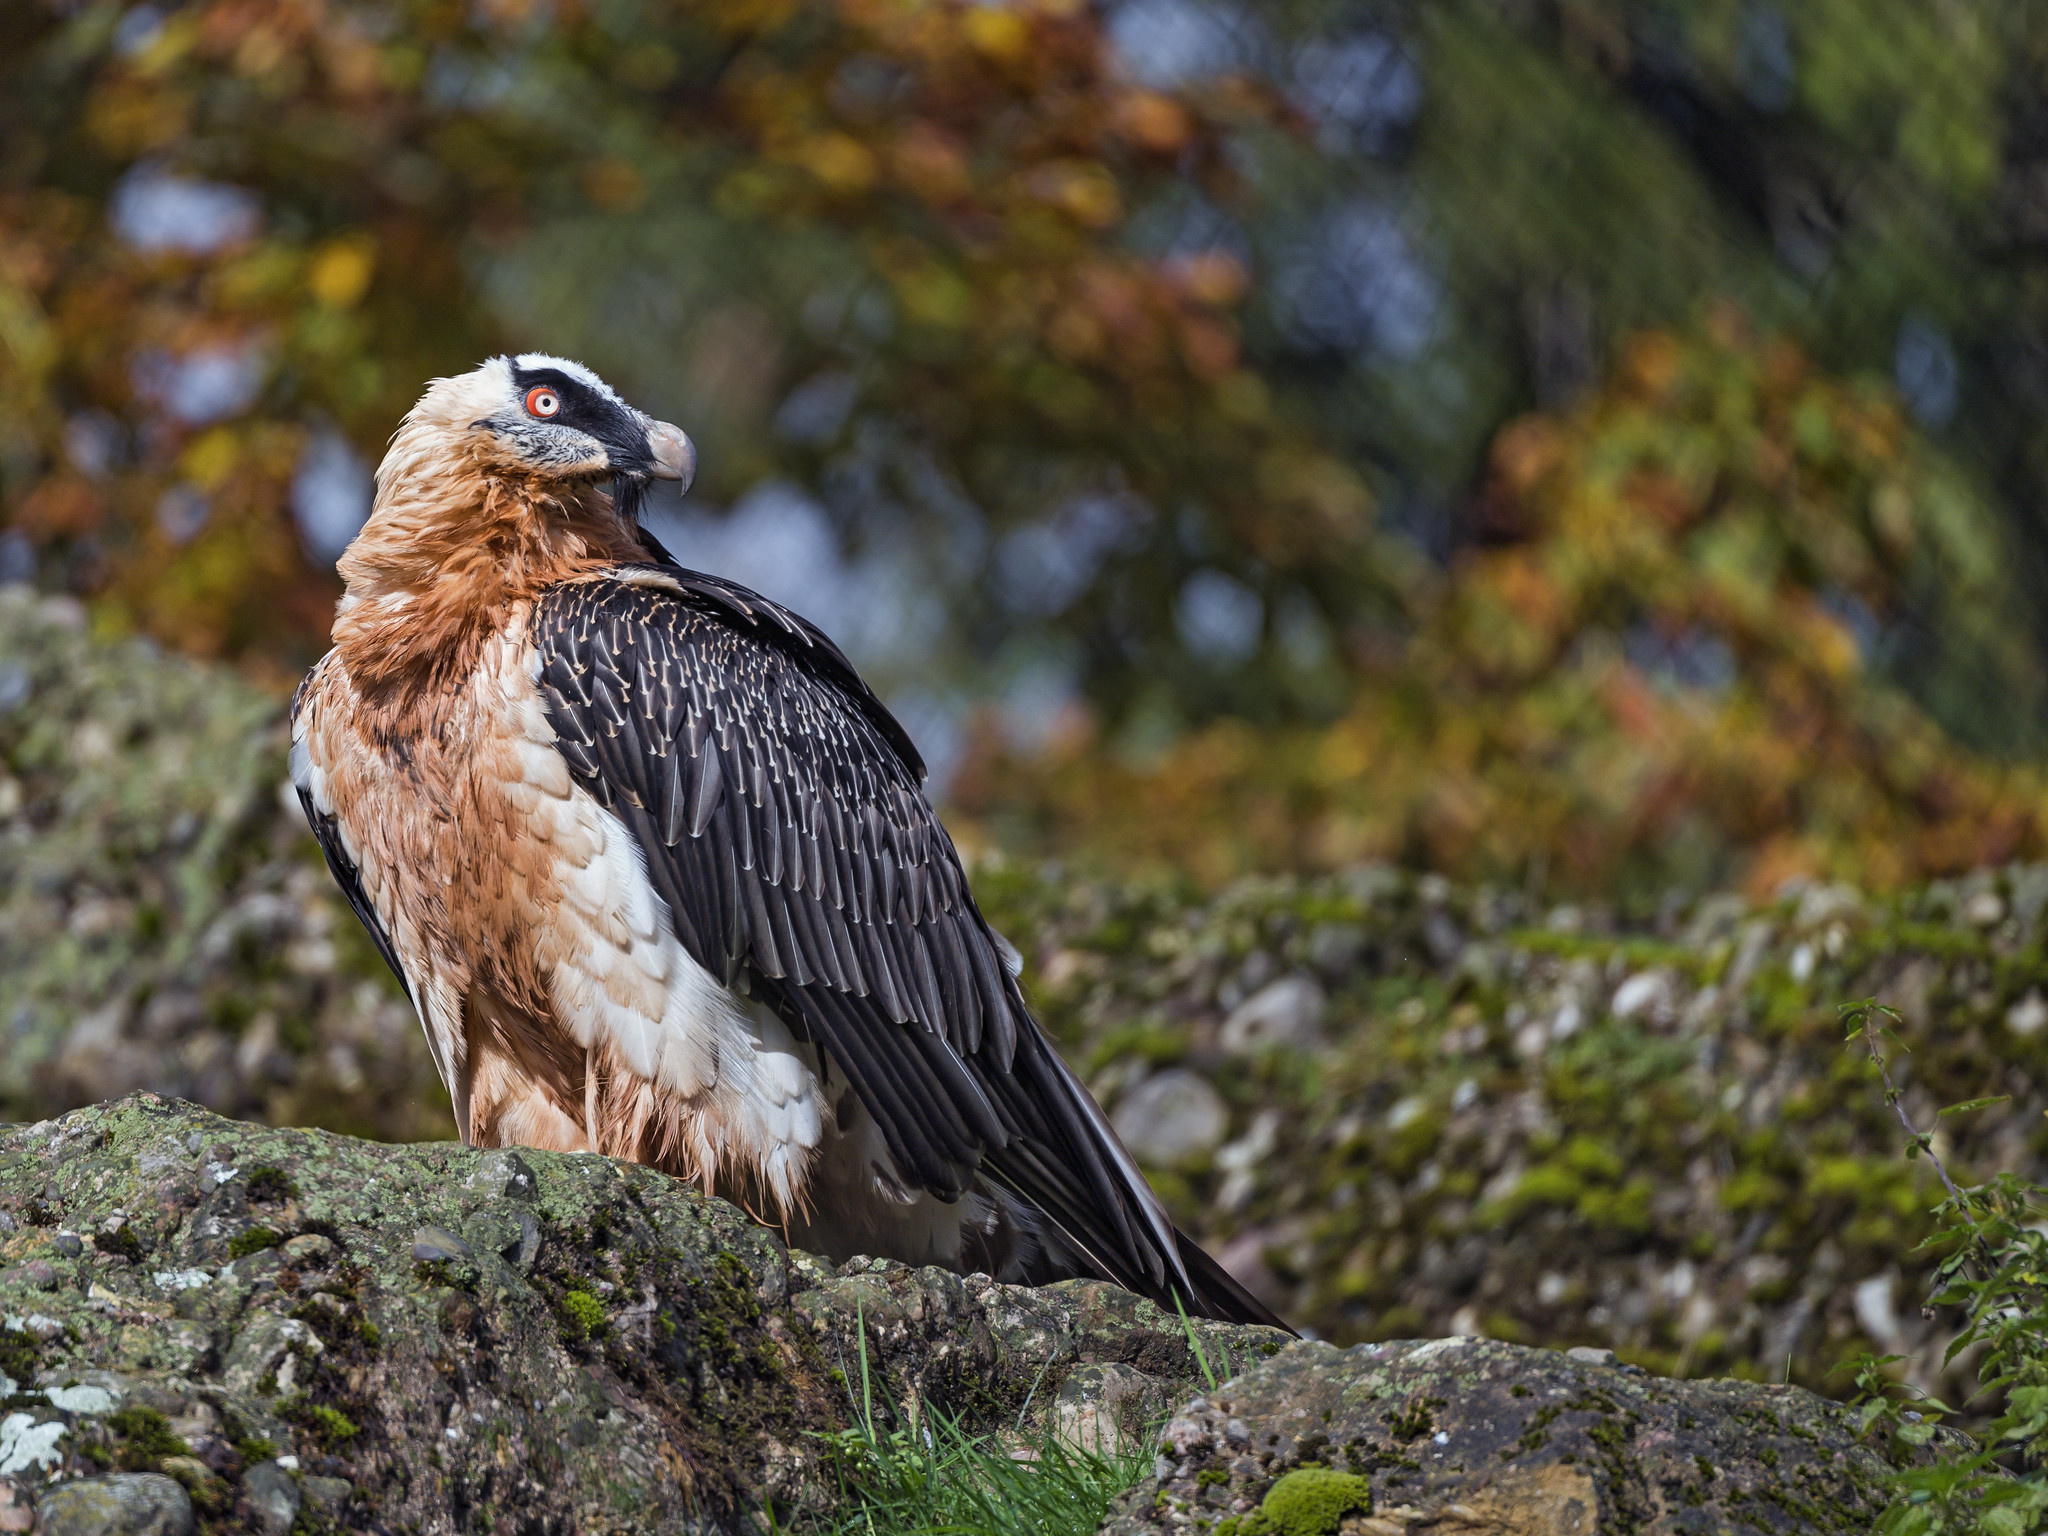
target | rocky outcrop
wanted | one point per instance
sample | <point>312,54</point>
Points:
<point>1470,1437</point>
<point>211,1326</point>
<point>1450,1110</point>
<point>225,1327</point>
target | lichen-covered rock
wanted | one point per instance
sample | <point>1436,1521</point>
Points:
<point>276,1327</point>
<point>216,1327</point>
<point>1489,1439</point>
<point>122,1504</point>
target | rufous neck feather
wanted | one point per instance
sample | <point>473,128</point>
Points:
<point>453,543</point>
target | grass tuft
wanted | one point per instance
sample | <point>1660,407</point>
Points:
<point>922,1474</point>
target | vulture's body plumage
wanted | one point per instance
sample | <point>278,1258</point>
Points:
<point>658,871</point>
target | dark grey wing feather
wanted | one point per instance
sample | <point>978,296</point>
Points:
<point>781,810</point>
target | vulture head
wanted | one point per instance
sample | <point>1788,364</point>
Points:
<point>548,419</point>
<point>493,486</point>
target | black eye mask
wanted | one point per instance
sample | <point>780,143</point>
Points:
<point>591,412</point>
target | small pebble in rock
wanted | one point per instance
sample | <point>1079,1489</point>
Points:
<point>1645,992</point>
<point>40,1273</point>
<point>124,1504</point>
<point>430,1244</point>
<point>1170,1117</point>
<point>1986,909</point>
<point>527,1249</point>
<point>503,1173</point>
<point>309,1249</point>
<point>1586,1354</point>
<point>1287,1012</point>
<point>274,1496</point>
<point>2027,1016</point>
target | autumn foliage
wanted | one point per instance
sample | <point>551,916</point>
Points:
<point>1716,610</point>
<point>962,168</point>
<point>1653,665</point>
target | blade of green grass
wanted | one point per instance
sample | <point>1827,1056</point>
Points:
<point>1194,1343</point>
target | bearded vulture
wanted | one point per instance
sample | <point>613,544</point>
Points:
<point>658,872</point>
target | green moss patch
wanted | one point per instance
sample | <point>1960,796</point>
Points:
<point>144,1438</point>
<point>1309,1501</point>
<point>582,1316</point>
<point>330,1426</point>
<point>255,1240</point>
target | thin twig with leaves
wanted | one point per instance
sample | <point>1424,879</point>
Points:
<point>1866,1021</point>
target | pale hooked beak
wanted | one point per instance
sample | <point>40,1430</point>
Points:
<point>674,455</point>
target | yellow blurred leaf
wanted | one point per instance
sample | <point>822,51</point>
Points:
<point>1157,122</point>
<point>996,31</point>
<point>341,270</point>
<point>210,458</point>
<point>838,160</point>
<point>1082,189</point>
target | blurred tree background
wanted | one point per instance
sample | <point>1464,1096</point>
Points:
<point>1587,444</point>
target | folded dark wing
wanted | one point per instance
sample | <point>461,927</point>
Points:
<point>327,832</point>
<point>781,812</point>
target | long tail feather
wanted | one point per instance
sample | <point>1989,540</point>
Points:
<point>1217,1294</point>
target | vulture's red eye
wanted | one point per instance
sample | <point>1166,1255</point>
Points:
<point>542,401</point>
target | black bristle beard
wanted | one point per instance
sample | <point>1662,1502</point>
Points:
<point>629,496</point>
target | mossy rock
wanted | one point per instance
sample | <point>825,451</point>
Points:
<point>1566,1124</point>
<point>631,1356</point>
<point>165,920</point>
<point>1525,1442</point>
<point>1551,1123</point>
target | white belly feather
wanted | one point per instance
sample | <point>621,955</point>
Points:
<point>630,985</point>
